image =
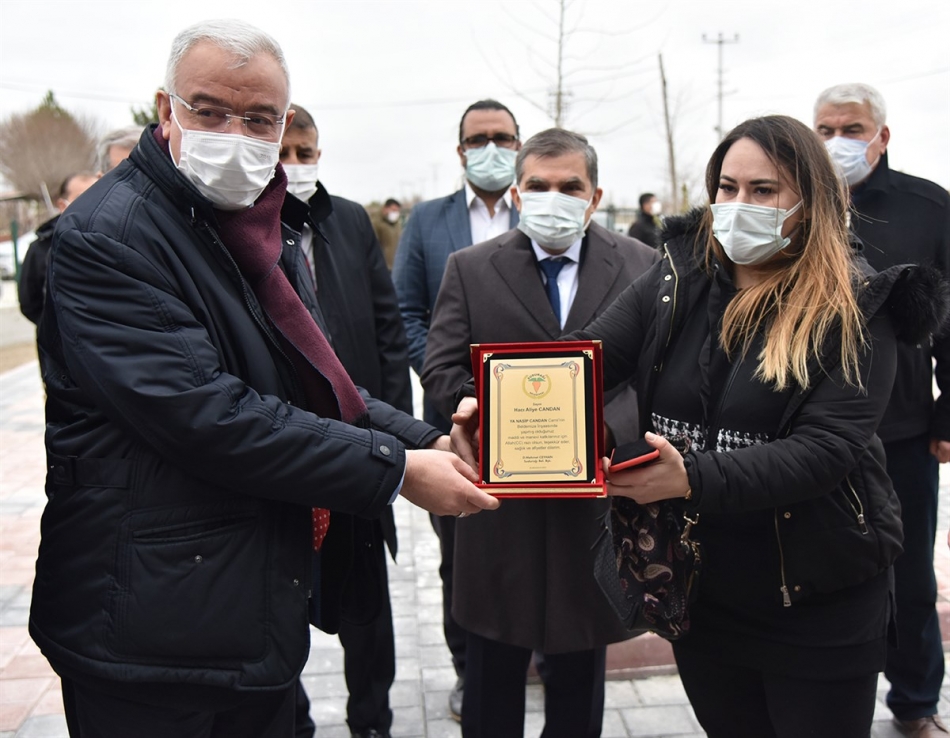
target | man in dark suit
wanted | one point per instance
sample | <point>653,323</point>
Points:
<point>482,209</point>
<point>524,581</point>
<point>356,297</point>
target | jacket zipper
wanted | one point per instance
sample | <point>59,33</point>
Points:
<point>676,285</point>
<point>858,508</point>
<point>786,599</point>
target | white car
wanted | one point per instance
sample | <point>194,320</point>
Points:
<point>7,270</point>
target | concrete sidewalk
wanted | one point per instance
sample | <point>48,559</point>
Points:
<point>644,696</point>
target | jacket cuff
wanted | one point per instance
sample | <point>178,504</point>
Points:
<point>466,390</point>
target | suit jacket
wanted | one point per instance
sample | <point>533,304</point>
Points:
<point>359,308</point>
<point>436,229</point>
<point>524,574</point>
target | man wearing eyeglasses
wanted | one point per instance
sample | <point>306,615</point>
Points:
<point>481,210</point>
<point>203,440</point>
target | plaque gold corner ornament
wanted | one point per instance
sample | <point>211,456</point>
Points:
<point>589,354</point>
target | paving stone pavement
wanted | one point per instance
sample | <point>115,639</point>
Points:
<point>30,701</point>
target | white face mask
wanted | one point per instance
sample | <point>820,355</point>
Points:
<point>656,208</point>
<point>230,170</point>
<point>554,220</point>
<point>301,180</point>
<point>750,234</point>
<point>392,216</point>
<point>850,158</point>
<point>490,168</point>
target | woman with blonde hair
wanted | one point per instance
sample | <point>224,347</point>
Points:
<point>765,346</point>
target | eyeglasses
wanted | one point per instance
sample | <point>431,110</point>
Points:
<point>213,118</point>
<point>504,140</point>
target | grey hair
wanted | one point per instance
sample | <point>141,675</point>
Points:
<point>125,137</point>
<point>855,92</point>
<point>240,39</point>
<point>557,142</point>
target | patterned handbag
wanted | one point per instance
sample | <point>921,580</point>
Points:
<point>647,565</point>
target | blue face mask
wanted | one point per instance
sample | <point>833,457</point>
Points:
<point>490,168</point>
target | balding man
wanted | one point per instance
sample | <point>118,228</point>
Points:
<point>203,440</point>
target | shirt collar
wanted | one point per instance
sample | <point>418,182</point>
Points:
<point>573,252</point>
<point>470,197</point>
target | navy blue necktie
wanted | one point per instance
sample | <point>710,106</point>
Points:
<point>551,268</point>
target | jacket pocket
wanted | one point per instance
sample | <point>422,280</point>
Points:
<point>191,590</point>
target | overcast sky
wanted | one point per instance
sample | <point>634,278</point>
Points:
<point>388,81</point>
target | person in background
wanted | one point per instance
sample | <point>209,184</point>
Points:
<point>646,227</point>
<point>534,283</point>
<point>203,440</point>
<point>31,289</point>
<point>902,219</point>
<point>356,297</point>
<point>116,146</point>
<point>387,225</point>
<point>482,209</point>
<point>777,408</point>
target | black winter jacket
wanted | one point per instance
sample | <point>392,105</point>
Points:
<point>31,289</point>
<point>836,516</point>
<point>176,541</point>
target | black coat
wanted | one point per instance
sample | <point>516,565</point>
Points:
<point>357,300</point>
<point>31,289</point>
<point>176,542</point>
<point>836,516</point>
<point>902,219</point>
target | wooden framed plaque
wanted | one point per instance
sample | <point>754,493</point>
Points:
<point>540,411</point>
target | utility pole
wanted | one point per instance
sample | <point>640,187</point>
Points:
<point>560,104</point>
<point>720,42</point>
<point>674,189</point>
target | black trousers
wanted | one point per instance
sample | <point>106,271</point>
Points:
<point>915,667</point>
<point>91,713</point>
<point>493,704</point>
<point>369,665</point>
<point>735,702</point>
<point>369,662</point>
<point>455,635</point>
<point>444,527</point>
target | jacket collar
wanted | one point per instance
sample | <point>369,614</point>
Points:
<point>599,269</point>
<point>878,181</point>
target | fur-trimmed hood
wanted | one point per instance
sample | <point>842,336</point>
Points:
<point>917,297</point>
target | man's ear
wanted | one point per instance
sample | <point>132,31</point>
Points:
<point>163,104</point>
<point>885,138</point>
<point>516,197</point>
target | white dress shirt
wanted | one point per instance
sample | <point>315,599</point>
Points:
<point>485,226</point>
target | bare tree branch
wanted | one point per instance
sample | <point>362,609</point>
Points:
<point>45,146</point>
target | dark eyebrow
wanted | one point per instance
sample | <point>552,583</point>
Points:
<point>536,180</point>
<point>727,177</point>
<point>764,181</point>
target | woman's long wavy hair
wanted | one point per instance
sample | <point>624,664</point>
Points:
<point>808,291</point>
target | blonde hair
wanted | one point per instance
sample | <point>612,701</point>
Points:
<point>807,296</point>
